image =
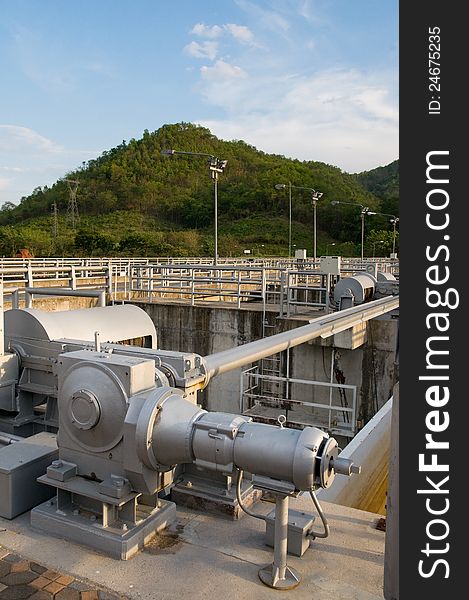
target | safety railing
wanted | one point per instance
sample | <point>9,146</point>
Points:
<point>290,290</point>
<point>56,280</point>
<point>304,289</point>
<point>348,264</point>
<point>291,285</point>
<point>302,402</point>
<point>245,284</point>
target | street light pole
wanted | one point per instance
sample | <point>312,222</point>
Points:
<point>315,197</point>
<point>394,222</point>
<point>289,220</point>
<point>363,231</point>
<point>364,211</point>
<point>215,166</point>
<point>215,218</point>
<point>374,246</point>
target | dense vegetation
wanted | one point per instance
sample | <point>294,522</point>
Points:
<point>135,201</point>
<point>383,182</point>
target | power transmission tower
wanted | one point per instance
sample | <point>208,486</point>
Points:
<point>72,209</point>
<point>55,222</point>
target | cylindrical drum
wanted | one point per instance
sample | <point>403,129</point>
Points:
<point>362,286</point>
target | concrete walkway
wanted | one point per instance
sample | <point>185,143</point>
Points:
<point>22,579</point>
<point>203,555</point>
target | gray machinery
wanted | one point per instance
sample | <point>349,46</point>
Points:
<point>34,339</point>
<point>29,386</point>
<point>119,435</point>
<point>363,287</point>
<point>128,424</point>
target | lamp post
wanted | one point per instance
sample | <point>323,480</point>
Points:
<point>364,211</point>
<point>215,166</point>
<point>374,245</point>
<point>315,197</point>
<point>282,186</point>
<point>327,246</point>
<point>394,220</point>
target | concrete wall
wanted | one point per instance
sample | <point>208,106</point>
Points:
<point>214,327</point>
<point>370,450</point>
<point>208,329</point>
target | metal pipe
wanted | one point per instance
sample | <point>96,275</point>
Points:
<point>322,516</point>
<point>240,500</point>
<point>15,298</point>
<point>234,358</point>
<point>30,291</point>
<point>6,438</point>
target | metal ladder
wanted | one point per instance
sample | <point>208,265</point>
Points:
<point>272,366</point>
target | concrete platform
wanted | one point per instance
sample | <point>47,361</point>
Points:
<point>202,555</point>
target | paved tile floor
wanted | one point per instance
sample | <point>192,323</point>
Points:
<point>21,579</point>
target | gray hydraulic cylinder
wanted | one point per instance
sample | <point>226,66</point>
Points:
<point>279,452</point>
<point>184,433</point>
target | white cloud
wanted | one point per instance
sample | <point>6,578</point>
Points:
<point>203,30</point>
<point>204,50</point>
<point>15,138</point>
<point>342,117</point>
<point>29,160</point>
<point>268,19</point>
<point>12,169</point>
<point>209,49</point>
<point>222,70</point>
<point>241,33</point>
<point>308,11</point>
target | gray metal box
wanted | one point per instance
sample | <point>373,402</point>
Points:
<point>21,464</point>
<point>299,524</point>
<point>330,264</point>
<point>135,373</point>
<point>300,254</point>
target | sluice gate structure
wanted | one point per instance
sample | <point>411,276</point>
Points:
<point>272,386</point>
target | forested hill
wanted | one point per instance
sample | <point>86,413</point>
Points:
<point>175,193</point>
<point>383,182</point>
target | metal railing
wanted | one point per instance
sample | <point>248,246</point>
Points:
<point>348,264</point>
<point>288,289</point>
<point>291,285</point>
<point>266,397</point>
<point>236,284</point>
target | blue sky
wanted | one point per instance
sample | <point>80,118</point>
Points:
<point>309,79</point>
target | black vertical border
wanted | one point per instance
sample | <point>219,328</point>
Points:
<point>420,133</point>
